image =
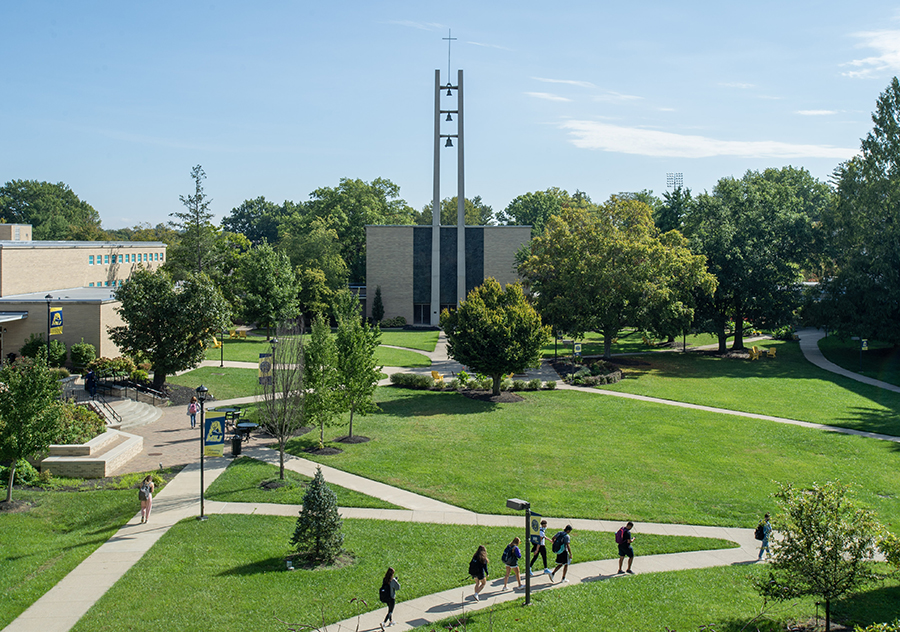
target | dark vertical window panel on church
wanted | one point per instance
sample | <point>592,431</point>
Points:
<point>422,264</point>
<point>448,265</point>
<point>474,257</point>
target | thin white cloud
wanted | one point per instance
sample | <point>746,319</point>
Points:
<point>887,44</point>
<point>482,44</point>
<point>616,96</point>
<point>548,96</point>
<point>422,26</point>
<point>737,84</point>
<point>646,142</point>
<point>816,112</point>
<point>570,82</point>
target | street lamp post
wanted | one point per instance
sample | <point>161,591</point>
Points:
<point>222,350</point>
<point>201,397</point>
<point>518,504</point>
<point>274,343</point>
<point>48,298</point>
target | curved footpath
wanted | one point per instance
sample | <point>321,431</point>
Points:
<point>64,604</point>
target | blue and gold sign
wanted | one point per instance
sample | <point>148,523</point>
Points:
<point>265,369</point>
<point>56,321</point>
<point>214,435</point>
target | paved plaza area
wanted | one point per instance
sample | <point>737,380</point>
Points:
<point>170,441</point>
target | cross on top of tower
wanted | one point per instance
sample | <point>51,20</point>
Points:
<point>449,42</point>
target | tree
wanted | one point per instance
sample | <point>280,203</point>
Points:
<point>535,209</point>
<point>825,548</point>
<point>477,212</point>
<point>194,222</point>
<point>358,371</point>
<point>377,306</point>
<point>29,411</point>
<point>757,233</point>
<point>256,219</point>
<point>53,210</point>
<point>321,378</point>
<point>349,207</point>
<point>169,324</point>
<point>269,287</point>
<point>670,215</point>
<point>315,252</point>
<point>861,290</point>
<point>605,270</point>
<point>283,408</point>
<point>495,331</point>
<point>318,530</point>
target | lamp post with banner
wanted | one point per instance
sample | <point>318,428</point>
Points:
<point>201,397</point>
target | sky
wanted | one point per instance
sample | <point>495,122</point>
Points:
<point>119,100</point>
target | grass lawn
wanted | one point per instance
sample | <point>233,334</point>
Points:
<point>248,350</point>
<point>787,386</point>
<point>591,456</point>
<point>880,361</point>
<point>628,342</point>
<point>41,546</point>
<point>410,339</point>
<point>228,573</point>
<point>722,598</point>
<point>240,483</point>
<point>226,383</point>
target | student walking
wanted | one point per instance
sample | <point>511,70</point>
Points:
<point>766,528</point>
<point>145,495</point>
<point>511,557</point>
<point>90,383</point>
<point>192,412</point>
<point>541,548</point>
<point>624,540</point>
<point>563,549</point>
<point>388,594</point>
<point>478,569</point>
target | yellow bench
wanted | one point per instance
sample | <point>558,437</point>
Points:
<point>754,353</point>
<point>232,333</point>
<point>242,334</point>
<point>771,352</point>
<point>437,376</point>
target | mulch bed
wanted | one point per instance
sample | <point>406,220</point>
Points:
<point>14,506</point>
<point>326,451</point>
<point>351,440</point>
<point>505,397</point>
<point>181,395</point>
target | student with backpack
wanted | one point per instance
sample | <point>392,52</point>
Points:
<point>541,548</point>
<point>624,540</point>
<point>563,550</point>
<point>478,569</point>
<point>511,555</point>
<point>145,495</point>
<point>192,412</point>
<point>387,595</point>
<point>763,530</point>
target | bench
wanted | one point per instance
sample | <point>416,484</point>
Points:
<point>437,376</point>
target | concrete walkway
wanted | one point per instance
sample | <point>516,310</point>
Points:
<point>809,345</point>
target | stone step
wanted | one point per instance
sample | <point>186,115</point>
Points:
<point>98,458</point>
<point>134,413</point>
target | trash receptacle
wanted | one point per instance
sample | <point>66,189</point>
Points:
<point>236,446</point>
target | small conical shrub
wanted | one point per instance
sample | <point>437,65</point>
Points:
<point>318,531</point>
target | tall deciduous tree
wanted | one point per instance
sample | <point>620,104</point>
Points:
<point>536,208</point>
<point>477,212</point>
<point>256,219</point>
<point>358,371</point>
<point>349,207</point>
<point>757,233</point>
<point>269,287</point>
<point>861,292</point>
<point>495,331</point>
<point>29,411</point>
<point>605,270</point>
<point>53,210</point>
<point>824,548</point>
<point>170,324</point>
<point>282,410</point>
<point>195,221</point>
<point>321,378</point>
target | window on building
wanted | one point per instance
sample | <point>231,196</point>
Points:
<point>91,284</point>
<point>105,258</point>
<point>121,259</point>
<point>422,314</point>
<point>162,256</point>
<point>90,260</point>
<point>448,306</point>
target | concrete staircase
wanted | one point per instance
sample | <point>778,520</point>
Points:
<point>134,413</point>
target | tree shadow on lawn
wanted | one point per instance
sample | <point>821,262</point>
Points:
<point>256,568</point>
<point>410,403</point>
<point>869,606</point>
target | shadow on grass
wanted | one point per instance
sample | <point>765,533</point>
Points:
<point>411,403</point>
<point>256,568</point>
<point>877,605</point>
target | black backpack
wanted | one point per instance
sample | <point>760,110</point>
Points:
<point>384,593</point>
<point>760,533</point>
<point>558,543</point>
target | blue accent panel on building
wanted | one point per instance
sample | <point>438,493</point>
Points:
<point>448,265</point>
<point>422,264</point>
<point>474,257</point>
